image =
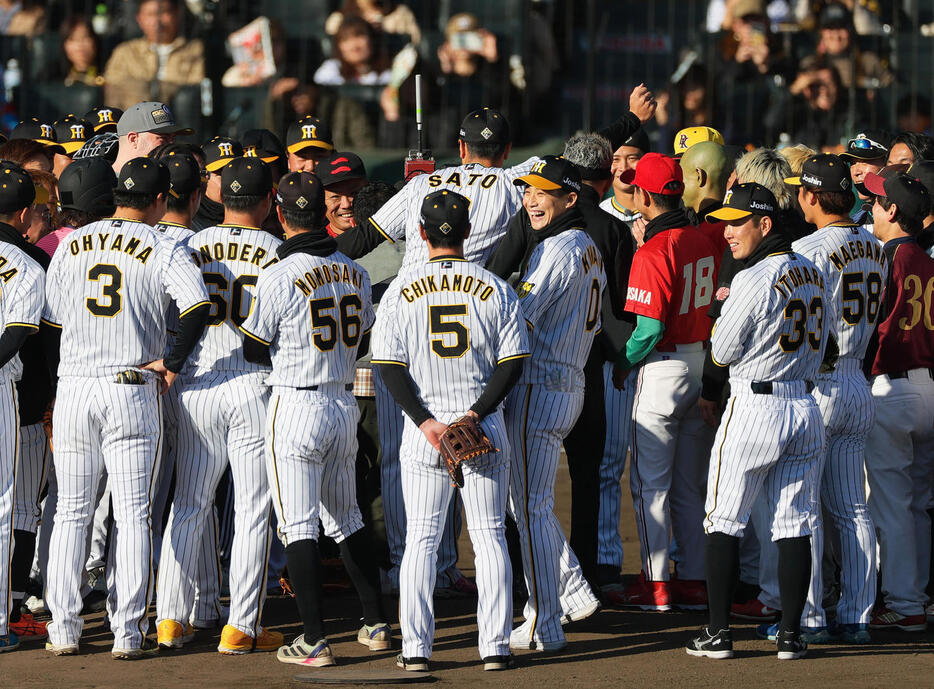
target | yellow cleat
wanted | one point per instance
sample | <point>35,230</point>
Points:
<point>172,635</point>
<point>235,642</point>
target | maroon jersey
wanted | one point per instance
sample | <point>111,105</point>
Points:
<point>906,332</point>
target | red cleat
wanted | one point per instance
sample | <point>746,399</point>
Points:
<point>28,627</point>
<point>688,594</point>
<point>754,610</point>
<point>642,594</point>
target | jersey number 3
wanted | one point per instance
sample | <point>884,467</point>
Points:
<point>698,283</point>
<point>109,302</point>
<point>799,314</point>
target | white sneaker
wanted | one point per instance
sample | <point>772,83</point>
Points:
<point>580,613</point>
<point>520,640</point>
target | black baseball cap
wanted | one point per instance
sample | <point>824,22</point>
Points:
<point>869,144</point>
<point>72,132</point>
<point>143,176</point>
<point>743,200</point>
<point>835,16</point>
<point>262,144</point>
<point>445,211</point>
<point>37,131</point>
<point>149,116</point>
<point>87,185</point>
<point>16,188</point>
<point>184,173</point>
<point>906,192</point>
<point>823,172</point>
<point>640,140</point>
<point>301,191</point>
<point>923,171</point>
<point>309,132</point>
<point>104,118</point>
<point>219,151</point>
<point>485,126</point>
<point>342,167</point>
<point>246,177</point>
<point>551,174</point>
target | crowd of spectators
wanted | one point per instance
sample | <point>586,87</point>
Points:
<point>357,72</point>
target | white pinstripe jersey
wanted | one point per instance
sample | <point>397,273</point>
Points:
<point>773,325</point>
<point>312,311</point>
<point>610,206</point>
<point>854,270</point>
<point>230,258</point>
<point>493,197</point>
<point>108,287</point>
<point>180,234</point>
<point>560,297</point>
<point>22,297</point>
<point>450,321</point>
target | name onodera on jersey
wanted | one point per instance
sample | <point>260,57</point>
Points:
<point>457,283</point>
<point>127,244</point>
<point>328,274</point>
<point>232,251</point>
<point>7,274</point>
<point>850,251</point>
<point>797,276</point>
<point>437,179</point>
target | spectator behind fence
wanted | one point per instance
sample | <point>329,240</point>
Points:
<point>856,68</point>
<point>720,13</point>
<point>22,17</point>
<point>358,57</point>
<point>684,105</point>
<point>157,65</point>
<point>79,61</point>
<point>913,113</point>
<point>749,51</point>
<point>817,107</point>
<point>867,17</point>
<point>386,16</point>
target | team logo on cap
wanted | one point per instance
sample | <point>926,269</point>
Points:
<point>46,131</point>
<point>77,131</point>
<point>162,115</point>
<point>683,141</point>
<point>129,183</point>
<point>104,116</point>
<point>812,180</point>
<point>309,131</point>
<point>726,199</point>
<point>445,227</point>
<point>226,150</point>
<point>486,133</point>
<point>845,184</point>
<point>236,186</point>
<point>301,202</point>
<point>250,152</point>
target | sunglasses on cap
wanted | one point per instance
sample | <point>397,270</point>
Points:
<point>865,144</point>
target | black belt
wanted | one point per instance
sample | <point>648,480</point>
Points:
<point>347,387</point>
<point>764,387</point>
<point>894,375</point>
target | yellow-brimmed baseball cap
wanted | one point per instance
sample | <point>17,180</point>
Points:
<point>219,151</point>
<point>37,131</point>
<point>307,132</point>
<point>743,200</point>
<point>551,174</point>
<point>695,135</point>
<point>72,133</point>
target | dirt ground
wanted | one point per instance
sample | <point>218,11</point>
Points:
<point>612,648</point>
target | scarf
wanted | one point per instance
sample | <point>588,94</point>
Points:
<point>776,241</point>
<point>666,221</point>
<point>569,220</point>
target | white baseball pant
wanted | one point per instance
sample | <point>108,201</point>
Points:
<point>35,459</point>
<point>618,429</point>
<point>9,456</point>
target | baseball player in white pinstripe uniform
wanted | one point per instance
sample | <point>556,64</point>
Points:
<point>484,145</point>
<point>108,289</point>
<point>221,417</point>
<point>772,332</point>
<point>312,310</point>
<point>454,332</point>
<point>560,297</point>
<point>854,269</point>
<point>22,285</point>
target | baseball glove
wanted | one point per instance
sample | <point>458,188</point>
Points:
<point>462,441</point>
<point>130,377</point>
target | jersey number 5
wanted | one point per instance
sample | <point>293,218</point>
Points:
<point>110,301</point>
<point>439,324</point>
<point>699,283</point>
<point>327,327</point>
<point>798,314</point>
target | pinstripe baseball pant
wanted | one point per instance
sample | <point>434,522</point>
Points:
<point>9,455</point>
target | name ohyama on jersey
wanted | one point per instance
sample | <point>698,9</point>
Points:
<point>110,241</point>
<point>233,251</point>
<point>854,250</point>
<point>430,284</point>
<point>795,277</point>
<point>326,275</point>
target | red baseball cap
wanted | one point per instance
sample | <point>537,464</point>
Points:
<point>656,173</point>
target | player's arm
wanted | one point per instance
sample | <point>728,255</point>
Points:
<point>388,223</point>
<point>737,321</point>
<point>507,257</point>
<point>262,323</point>
<point>26,298</point>
<point>512,349</point>
<point>12,340</point>
<point>183,283</point>
<point>360,241</point>
<point>641,109</point>
<point>647,334</point>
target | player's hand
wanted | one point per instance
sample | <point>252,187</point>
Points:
<point>642,103</point>
<point>710,411</point>
<point>166,377</point>
<point>619,377</point>
<point>432,430</point>
<point>638,230</point>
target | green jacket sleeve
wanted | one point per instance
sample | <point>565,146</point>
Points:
<point>647,334</point>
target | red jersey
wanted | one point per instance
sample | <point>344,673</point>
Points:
<point>673,280</point>
<point>905,333</point>
<point>714,232</point>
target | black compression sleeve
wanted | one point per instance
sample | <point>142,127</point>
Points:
<point>621,129</point>
<point>360,241</point>
<point>51,338</point>
<point>12,340</point>
<point>504,377</point>
<point>190,329</point>
<point>714,379</point>
<point>402,387</point>
<point>256,352</point>
<point>507,257</point>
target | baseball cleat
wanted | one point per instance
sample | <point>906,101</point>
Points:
<point>754,610</point>
<point>414,664</point>
<point>10,642</point>
<point>235,643</point>
<point>36,606</point>
<point>377,637</point>
<point>519,640</point>
<point>889,619</point>
<point>28,627</point>
<point>580,613</point>
<point>643,594</point>
<point>61,649</point>
<point>459,586</point>
<point>688,594</point>
<point>810,635</point>
<point>498,663</point>
<point>300,653</point>
<point>718,646</point>
<point>173,635</point>
<point>791,646</point>
<point>149,649</point>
